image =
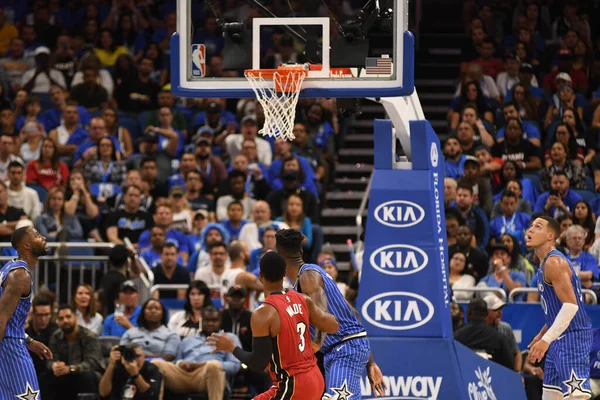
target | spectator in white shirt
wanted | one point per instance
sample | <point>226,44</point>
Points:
<point>252,231</point>
<point>38,80</point>
<point>215,274</point>
<point>248,131</point>
<point>19,195</point>
<point>507,79</point>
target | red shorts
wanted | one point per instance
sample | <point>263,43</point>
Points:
<point>307,386</point>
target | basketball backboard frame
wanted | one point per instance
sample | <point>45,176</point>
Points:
<point>317,84</point>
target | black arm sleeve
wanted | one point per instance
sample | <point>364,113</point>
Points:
<point>258,359</point>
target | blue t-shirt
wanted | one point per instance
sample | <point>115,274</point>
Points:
<point>53,116</point>
<point>152,258</point>
<point>173,236</point>
<point>88,143</point>
<point>570,200</point>
<point>112,328</point>
<point>530,131</point>
<point>515,226</point>
<point>536,93</point>
<point>584,262</point>
<point>234,233</point>
<point>529,192</point>
<point>456,169</point>
<point>516,276</point>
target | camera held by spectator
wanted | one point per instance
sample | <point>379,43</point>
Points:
<point>129,376</point>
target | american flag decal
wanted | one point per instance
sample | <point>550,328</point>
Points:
<point>378,65</point>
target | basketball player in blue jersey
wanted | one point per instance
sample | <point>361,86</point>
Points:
<point>17,374</point>
<point>346,353</point>
<point>566,339</point>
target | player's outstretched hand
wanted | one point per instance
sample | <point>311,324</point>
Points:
<point>222,342</point>
<point>376,379</point>
<point>537,351</point>
<point>39,348</point>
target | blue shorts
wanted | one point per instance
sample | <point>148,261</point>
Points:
<point>567,367</point>
<point>17,374</point>
<point>345,365</point>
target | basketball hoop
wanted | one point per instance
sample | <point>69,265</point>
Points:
<point>277,90</point>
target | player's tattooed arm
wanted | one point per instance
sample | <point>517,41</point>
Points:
<point>312,285</point>
<point>323,320</point>
<point>16,285</point>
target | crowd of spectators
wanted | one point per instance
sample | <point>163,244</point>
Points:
<point>525,127</point>
<point>94,147</point>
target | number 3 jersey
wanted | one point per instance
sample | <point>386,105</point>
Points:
<point>292,350</point>
<point>551,304</point>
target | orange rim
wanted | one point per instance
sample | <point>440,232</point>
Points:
<point>281,85</point>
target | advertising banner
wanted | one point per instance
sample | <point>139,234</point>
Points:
<point>404,286</point>
<point>439,369</point>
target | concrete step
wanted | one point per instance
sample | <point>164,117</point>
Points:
<point>353,170</point>
<point>350,199</point>
<point>363,123</point>
<point>351,183</point>
<point>339,230</point>
<point>361,155</point>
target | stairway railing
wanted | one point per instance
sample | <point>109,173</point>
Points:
<point>362,207</point>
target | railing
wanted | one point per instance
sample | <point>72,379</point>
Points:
<point>518,291</point>
<point>75,263</point>
<point>474,290</point>
<point>179,286</point>
<point>362,207</point>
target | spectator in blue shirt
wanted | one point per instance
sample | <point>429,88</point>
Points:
<point>157,240</point>
<point>163,218</point>
<point>560,200</point>
<point>126,313</point>
<point>268,244</point>
<point>88,149</point>
<point>531,131</point>
<point>199,368</point>
<point>152,333</point>
<point>52,118</point>
<point>233,225</point>
<point>500,275</point>
<point>455,159</point>
<point>584,264</point>
<point>510,221</point>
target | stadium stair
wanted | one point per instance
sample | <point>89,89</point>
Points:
<point>436,69</point>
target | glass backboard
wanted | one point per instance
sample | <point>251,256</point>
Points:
<point>356,48</point>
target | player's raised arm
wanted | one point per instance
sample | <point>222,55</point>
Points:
<point>557,273</point>
<point>16,285</point>
<point>312,285</point>
<point>321,319</point>
<point>262,323</point>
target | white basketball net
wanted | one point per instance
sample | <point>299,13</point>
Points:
<point>278,99</point>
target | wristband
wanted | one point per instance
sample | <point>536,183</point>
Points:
<point>134,377</point>
<point>28,340</point>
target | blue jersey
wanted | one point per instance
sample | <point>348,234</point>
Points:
<point>15,328</point>
<point>337,306</point>
<point>551,304</point>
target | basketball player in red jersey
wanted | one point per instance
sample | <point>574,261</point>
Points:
<point>281,337</point>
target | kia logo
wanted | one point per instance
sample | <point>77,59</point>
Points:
<point>399,213</point>
<point>399,259</point>
<point>397,311</point>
